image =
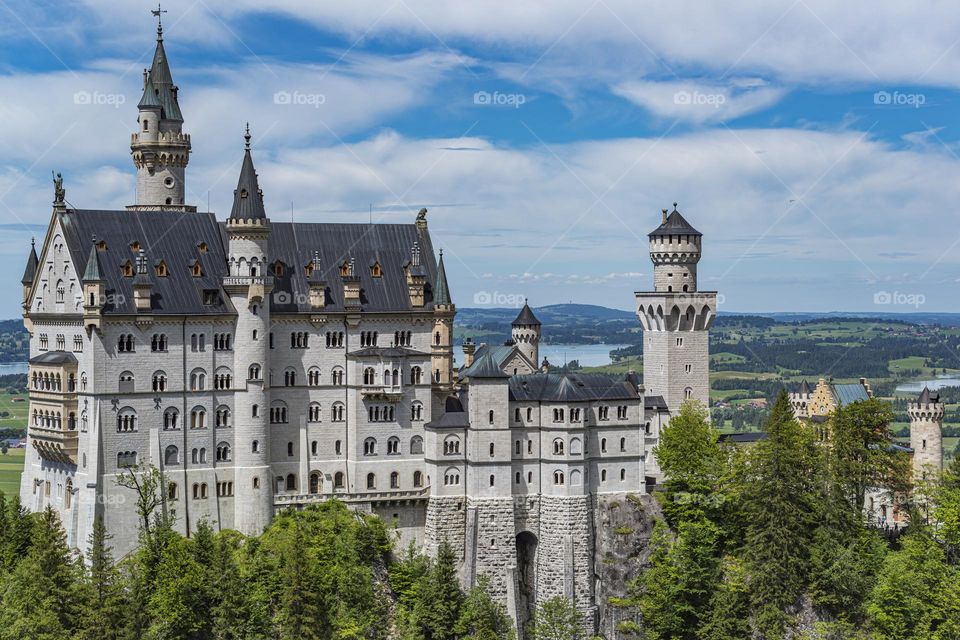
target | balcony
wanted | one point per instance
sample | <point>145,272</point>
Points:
<point>285,500</point>
<point>388,393</point>
<point>58,445</point>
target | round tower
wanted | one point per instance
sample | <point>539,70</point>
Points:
<point>675,252</point>
<point>159,148</point>
<point>525,331</point>
<point>249,287</point>
<point>926,438</point>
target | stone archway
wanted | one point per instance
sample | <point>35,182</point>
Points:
<point>526,579</point>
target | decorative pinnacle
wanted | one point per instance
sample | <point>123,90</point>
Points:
<point>156,13</point>
<point>247,137</point>
<point>33,242</point>
<point>674,206</point>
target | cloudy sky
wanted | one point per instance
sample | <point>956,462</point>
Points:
<point>814,143</point>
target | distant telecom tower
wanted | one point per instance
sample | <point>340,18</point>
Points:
<point>926,437</point>
<point>676,317</point>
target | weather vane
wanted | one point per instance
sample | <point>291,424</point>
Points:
<point>156,14</point>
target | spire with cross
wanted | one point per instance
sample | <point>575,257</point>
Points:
<point>156,14</point>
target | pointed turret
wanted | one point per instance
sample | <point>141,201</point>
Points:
<point>526,318</point>
<point>31,269</point>
<point>159,148</point>
<point>525,332</point>
<point>247,198</point>
<point>94,290</point>
<point>805,388</point>
<point>93,273</point>
<point>442,295</point>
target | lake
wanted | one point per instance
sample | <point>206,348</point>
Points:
<point>589,355</point>
<point>933,385</point>
<point>8,368</point>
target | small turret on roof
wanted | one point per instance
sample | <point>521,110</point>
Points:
<point>674,224</point>
<point>804,387</point>
<point>928,397</point>
<point>526,317</point>
<point>247,198</point>
<point>93,273</point>
<point>442,294</point>
<point>31,269</point>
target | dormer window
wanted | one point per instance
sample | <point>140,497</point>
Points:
<point>135,246</point>
<point>345,269</point>
<point>243,194</point>
<point>278,268</point>
<point>202,247</point>
<point>127,269</point>
<point>102,245</point>
<point>196,269</point>
<point>375,270</point>
<point>161,269</point>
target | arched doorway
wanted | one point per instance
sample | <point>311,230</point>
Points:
<point>316,482</point>
<point>526,578</point>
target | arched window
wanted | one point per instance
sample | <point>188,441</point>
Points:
<point>558,447</point>
<point>370,447</point>
<point>491,449</point>
<point>416,445</point>
<point>126,382</point>
<point>337,412</point>
<point>313,448</point>
<point>451,476</point>
<point>172,491</point>
<point>198,418</point>
<point>451,445</point>
<point>603,445</point>
<point>416,375</point>
<point>371,481</point>
<point>603,475</point>
<point>576,478</point>
<point>126,420</point>
<point>255,446</point>
<point>223,452</point>
<point>289,449</point>
<point>223,416</point>
<point>416,411</point>
<point>291,482</point>
<point>278,412</point>
<point>337,376</point>
<point>171,456</point>
<point>68,494</point>
<point>491,416</point>
<point>558,477</point>
<point>255,411</point>
<point>576,448</point>
<point>394,480</point>
<point>623,444</point>
<point>127,459</point>
<point>198,380</point>
<point>313,377</point>
<point>316,482</point>
<point>338,480</point>
<point>393,446</point>
<point>368,376</point>
<point>289,377</point>
<point>253,373</point>
<point>159,381</point>
<point>313,412</point>
<point>417,479</point>
<point>623,475</point>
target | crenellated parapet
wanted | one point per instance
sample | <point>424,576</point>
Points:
<point>676,311</point>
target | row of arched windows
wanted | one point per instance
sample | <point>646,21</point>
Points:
<point>299,340</point>
<point>368,338</point>
<point>334,339</point>
<point>158,342</point>
<point>393,446</point>
<point>46,381</point>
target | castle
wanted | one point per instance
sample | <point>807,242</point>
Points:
<point>263,365</point>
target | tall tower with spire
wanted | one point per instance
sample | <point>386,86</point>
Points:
<point>926,437</point>
<point>676,317</point>
<point>160,148</point>
<point>249,286</point>
<point>443,313</point>
<point>525,331</point>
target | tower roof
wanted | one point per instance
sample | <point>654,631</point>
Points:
<point>484,366</point>
<point>442,293</point>
<point>675,225</point>
<point>162,80</point>
<point>927,396</point>
<point>804,387</point>
<point>151,97</point>
<point>526,317</point>
<point>93,273</point>
<point>247,198</point>
<point>31,270</point>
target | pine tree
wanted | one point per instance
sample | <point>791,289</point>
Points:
<point>482,618</point>
<point>779,501</point>
<point>557,619</point>
<point>105,611</point>
<point>299,616</point>
<point>439,598</point>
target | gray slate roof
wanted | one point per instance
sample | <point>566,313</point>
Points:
<point>849,393</point>
<point>162,81</point>
<point>655,402</point>
<point>484,366</point>
<point>54,357</point>
<point>387,352</point>
<point>442,295</point>
<point>804,387</point>
<point>676,225</point>
<point>570,387</point>
<point>247,197</point>
<point>928,397</point>
<point>526,317</point>
<point>174,238</point>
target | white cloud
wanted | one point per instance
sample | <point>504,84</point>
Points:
<point>699,102</point>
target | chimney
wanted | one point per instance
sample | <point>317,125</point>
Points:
<point>469,348</point>
<point>351,287</point>
<point>664,211</point>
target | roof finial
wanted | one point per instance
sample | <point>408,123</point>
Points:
<point>441,253</point>
<point>33,242</point>
<point>156,13</point>
<point>674,206</point>
<point>247,137</point>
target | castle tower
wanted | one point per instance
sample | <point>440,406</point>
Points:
<point>676,317</point>
<point>525,331</point>
<point>159,148</point>
<point>442,345</point>
<point>926,438</point>
<point>29,273</point>
<point>800,401</point>
<point>249,287</point>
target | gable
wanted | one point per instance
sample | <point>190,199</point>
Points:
<point>56,287</point>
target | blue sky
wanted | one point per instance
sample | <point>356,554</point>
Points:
<point>814,145</point>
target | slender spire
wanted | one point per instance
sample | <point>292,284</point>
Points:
<point>161,77</point>
<point>442,295</point>
<point>248,198</point>
<point>93,273</point>
<point>32,262</point>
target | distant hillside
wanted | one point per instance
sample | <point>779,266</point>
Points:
<point>562,324</point>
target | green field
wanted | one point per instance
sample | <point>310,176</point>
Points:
<point>11,466</point>
<point>17,410</point>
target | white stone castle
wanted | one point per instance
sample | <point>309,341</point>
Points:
<point>264,365</point>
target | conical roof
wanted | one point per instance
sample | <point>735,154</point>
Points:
<point>162,80</point>
<point>526,317</point>
<point>927,396</point>
<point>151,97</point>
<point>804,387</point>
<point>442,294</point>
<point>93,272</point>
<point>32,261</point>
<point>675,225</point>
<point>248,199</point>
